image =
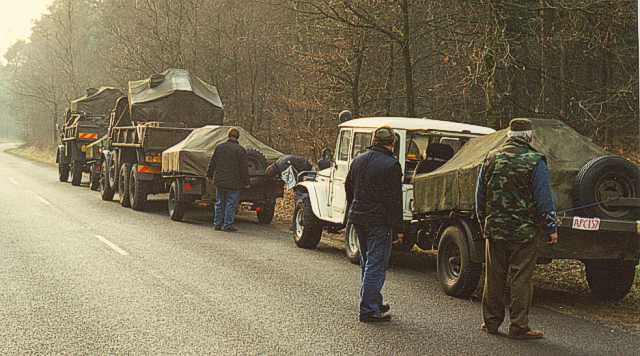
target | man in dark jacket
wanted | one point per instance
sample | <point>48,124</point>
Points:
<point>374,194</point>
<point>230,173</point>
<point>514,205</point>
<point>299,164</point>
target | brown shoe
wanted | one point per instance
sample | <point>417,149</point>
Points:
<point>526,334</point>
<point>491,331</point>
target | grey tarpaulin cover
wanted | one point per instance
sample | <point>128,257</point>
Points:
<point>191,155</point>
<point>452,186</point>
<point>175,95</point>
<point>99,103</point>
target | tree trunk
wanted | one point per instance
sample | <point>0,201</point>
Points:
<point>407,60</point>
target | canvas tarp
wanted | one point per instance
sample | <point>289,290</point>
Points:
<point>452,186</point>
<point>191,155</point>
<point>98,103</point>
<point>175,95</point>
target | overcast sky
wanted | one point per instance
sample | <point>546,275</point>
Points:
<point>16,19</point>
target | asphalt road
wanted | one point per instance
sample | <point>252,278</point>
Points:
<point>83,276</point>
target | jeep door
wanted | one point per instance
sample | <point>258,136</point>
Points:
<point>337,196</point>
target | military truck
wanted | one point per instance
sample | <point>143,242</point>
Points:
<point>158,112</point>
<point>85,121</point>
<point>420,144</point>
<point>597,197</point>
<point>185,167</point>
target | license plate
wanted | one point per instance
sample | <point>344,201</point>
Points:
<point>587,224</point>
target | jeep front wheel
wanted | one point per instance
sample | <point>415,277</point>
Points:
<point>610,280</point>
<point>308,228</point>
<point>458,275</point>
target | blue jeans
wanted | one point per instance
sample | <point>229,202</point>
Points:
<point>226,205</point>
<point>375,251</point>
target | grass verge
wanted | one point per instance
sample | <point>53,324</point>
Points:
<point>34,153</point>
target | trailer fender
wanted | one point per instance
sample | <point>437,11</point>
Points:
<point>475,240</point>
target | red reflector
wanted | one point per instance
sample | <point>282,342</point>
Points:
<point>148,169</point>
<point>187,187</point>
<point>258,210</point>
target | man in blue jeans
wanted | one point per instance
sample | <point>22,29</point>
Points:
<point>230,173</point>
<point>374,195</point>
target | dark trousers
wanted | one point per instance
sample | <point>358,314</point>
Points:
<point>375,250</point>
<point>508,265</point>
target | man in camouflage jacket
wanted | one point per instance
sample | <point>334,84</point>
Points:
<point>514,205</point>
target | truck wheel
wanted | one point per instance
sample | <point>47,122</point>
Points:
<point>610,280</point>
<point>308,228</point>
<point>76,173</point>
<point>63,169</point>
<point>177,206</point>
<point>113,175</point>
<point>266,212</point>
<point>256,161</point>
<point>458,276</point>
<point>106,193</point>
<point>352,244</point>
<point>604,178</point>
<point>137,191</point>
<point>94,178</point>
<point>123,185</point>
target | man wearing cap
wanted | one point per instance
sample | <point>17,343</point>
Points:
<point>514,205</point>
<point>374,194</point>
<point>229,170</point>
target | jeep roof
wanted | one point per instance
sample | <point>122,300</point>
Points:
<point>416,124</point>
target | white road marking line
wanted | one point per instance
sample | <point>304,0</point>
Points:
<point>13,181</point>
<point>112,245</point>
<point>44,201</point>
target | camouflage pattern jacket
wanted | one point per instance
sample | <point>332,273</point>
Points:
<point>513,196</point>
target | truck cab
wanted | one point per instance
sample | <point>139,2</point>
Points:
<point>420,144</point>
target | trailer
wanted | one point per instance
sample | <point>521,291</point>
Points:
<point>158,113</point>
<point>184,166</point>
<point>85,121</point>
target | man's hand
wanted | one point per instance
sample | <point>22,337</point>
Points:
<point>553,239</point>
<point>400,239</point>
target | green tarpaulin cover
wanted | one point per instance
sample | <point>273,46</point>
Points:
<point>175,95</point>
<point>452,186</point>
<point>191,156</point>
<point>101,102</point>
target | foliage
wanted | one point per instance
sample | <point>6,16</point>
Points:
<point>286,67</point>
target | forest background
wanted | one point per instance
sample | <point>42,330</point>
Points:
<point>285,68</point>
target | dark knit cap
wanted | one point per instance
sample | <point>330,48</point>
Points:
<point>520,125</point>
<point>384,136</point>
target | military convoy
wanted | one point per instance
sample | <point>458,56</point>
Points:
<point>160,136</point>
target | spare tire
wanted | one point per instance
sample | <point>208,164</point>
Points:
<point>257,162</point>
<point>604,179</point>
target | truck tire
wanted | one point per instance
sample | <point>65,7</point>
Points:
<point>106,192</point>
<point>123,185</point>
<point>257,162</point>
<point>603,178</point>
<point>610,280</point>
<point>352,244</point>
<point>94,178</point>
<point>76,173</point>
<point>308,228</point>
<point>137,190</point>
<point>266,213</point>
<point>177,206</point>
<point>63,169</point>
<point>458,275</point>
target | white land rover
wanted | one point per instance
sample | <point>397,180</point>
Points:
<point>422,145</point>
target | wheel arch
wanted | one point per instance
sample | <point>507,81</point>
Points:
<point>307,189</point>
